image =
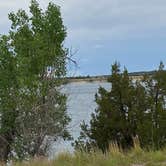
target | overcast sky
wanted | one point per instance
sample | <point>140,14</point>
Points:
<point>132,32</point>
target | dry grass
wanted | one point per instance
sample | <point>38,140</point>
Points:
<point>133,158</point>
<point>115,157</point>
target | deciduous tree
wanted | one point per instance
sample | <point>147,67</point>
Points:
<point>32,107</point>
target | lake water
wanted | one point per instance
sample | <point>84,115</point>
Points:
<point>80,105</point>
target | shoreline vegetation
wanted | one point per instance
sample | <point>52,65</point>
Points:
<point>114,157</point>
<point>34,111</point>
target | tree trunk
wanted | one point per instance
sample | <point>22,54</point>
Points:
<point>4,147</point>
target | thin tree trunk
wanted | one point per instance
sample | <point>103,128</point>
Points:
<point>5,141</point>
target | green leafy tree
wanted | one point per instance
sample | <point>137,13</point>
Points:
<point>34,43</point>
<point>8,97</point>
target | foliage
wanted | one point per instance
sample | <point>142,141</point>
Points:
<point>8,97</point>
<point>96,158</point>
<point>130,109</point>
<point>31,105</point>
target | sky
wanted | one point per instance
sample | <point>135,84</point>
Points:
<point>132,32</point>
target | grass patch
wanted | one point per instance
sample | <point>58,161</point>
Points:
<point>115,157</point>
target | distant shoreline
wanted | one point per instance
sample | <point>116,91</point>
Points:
<point>103,78</point>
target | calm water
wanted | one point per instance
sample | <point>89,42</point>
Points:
<point>80,105</point>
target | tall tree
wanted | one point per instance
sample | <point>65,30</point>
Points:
<point>113,117</point>
<point>34,43</point>
<point>156,95</point>
<point>8,97</point>
<point>131,108</point>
